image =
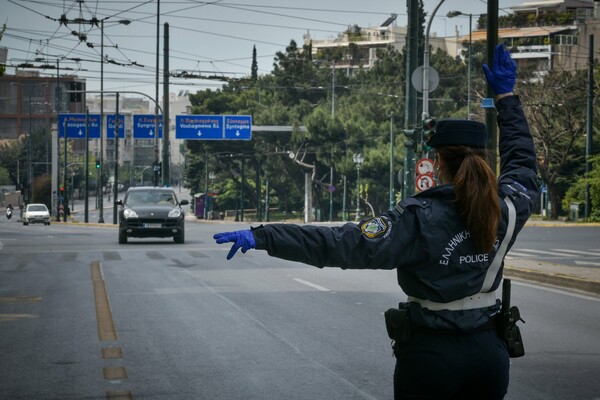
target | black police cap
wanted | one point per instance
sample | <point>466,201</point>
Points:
<point>458,132</point>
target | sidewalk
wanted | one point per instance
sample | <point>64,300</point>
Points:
<point>584,279</point>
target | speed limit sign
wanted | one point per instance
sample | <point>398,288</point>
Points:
<point>424,182</point>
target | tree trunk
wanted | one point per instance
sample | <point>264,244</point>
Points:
<point>555,204</point>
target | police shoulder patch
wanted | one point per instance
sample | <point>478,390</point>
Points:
<point>375,227</point>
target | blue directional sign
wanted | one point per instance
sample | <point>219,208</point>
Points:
<point>74,124</point>
<point>143,126</point>
<point>199,127</point>
<point>110,126</point>
<point>238,127</point>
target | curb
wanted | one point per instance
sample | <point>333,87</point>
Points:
<point>554,279</point>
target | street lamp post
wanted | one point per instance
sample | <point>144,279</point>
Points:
<point>29,170</point>
<point>212,176</point>
<point>453,14</point>
<point>116,178</point>
<point>156,95</point>
<point>426,64</point>
<point>391,161</point>
<point>358,160</point>
<point>101,184</point>
<point>72,190</point>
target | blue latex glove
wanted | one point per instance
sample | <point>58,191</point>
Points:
<point>241,240</point>
<point>503,75</point>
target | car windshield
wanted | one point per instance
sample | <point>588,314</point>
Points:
<point>36,207</point>
<point>142,197</point>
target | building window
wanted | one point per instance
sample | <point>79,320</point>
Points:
<point>566,40</point>
<point>8,128</point>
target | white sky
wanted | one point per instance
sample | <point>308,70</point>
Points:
<point>210,37</point>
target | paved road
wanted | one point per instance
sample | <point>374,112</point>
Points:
<point>187,324</point>
<point>568,244</point>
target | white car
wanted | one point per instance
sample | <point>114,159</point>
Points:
<point>36,213</point>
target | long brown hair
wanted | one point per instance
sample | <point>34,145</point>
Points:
<point>476,192</point>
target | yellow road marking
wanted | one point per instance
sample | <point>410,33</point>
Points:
<point>106,325</point>
<point>119,395</point>
<point>108,332</point>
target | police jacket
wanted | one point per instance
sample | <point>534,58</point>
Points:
<point>423,238</point>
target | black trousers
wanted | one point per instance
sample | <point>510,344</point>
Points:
<point>440,365</point>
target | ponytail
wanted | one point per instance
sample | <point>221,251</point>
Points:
<point>476,190</point>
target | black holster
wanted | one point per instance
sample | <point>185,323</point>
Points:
<point>509,331</point>
<point>397,323</point>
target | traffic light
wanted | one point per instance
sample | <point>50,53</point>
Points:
<point>97,164</point>
<point>75,97</point>
<point>428,131</point>
<point>413,139</point>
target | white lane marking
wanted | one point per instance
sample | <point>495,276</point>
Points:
<point>553,253</point>
<point>595,264</point>
<point>517,254</point>
<point>559,291</point>
<point>590,253</point>
<point>312,285</point>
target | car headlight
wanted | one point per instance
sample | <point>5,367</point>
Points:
<point>174,213</point>
<point>129,213</point>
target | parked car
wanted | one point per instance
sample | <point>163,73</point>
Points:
<point>36,213</point>
<point>151,212</point>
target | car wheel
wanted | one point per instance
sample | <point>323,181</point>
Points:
<point>179,238</point>
<point>122,237</point>
<point>47,223</point>
<point>25,223</point>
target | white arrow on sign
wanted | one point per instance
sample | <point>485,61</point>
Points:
<point>199,133</point>
<point>237,133</point>
<point>80,133</point>
<point>151,133</point>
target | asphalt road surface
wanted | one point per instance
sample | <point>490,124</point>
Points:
<point>82,317</point>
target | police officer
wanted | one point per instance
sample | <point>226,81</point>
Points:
<point>447,245</point>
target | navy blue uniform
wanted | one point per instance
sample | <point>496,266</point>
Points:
<point>451,294</point>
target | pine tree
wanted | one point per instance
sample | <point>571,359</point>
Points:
<point>254,68</point>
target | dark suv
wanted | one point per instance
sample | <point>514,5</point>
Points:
<point>151,212</point>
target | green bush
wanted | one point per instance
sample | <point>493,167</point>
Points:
<point>576,193</point>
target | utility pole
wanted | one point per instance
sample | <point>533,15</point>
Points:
<point>116,179</point>
<point>410,116</point>
<point>87,163</point>
<point>490,113</point>
<point>65,191</point>
<point>55,150</point>
<point>166,170</point>
<point>392,160</point>
<point>100,183</point>
<point>589,126</point>
<point>156,95</point>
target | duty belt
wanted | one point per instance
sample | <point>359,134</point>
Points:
<point>479,300</point>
